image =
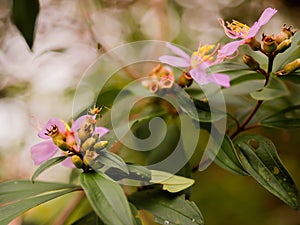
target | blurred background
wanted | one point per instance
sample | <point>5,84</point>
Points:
<point>71,35</point>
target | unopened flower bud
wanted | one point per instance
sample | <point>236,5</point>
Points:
<point>269,44</point>
<point>58,138</point>
<point>254,44</point>
<point>284,45</point>
<point>285,33</point>
<point>185,80</point>
<point>100,145</point>
<point>89,157</point>
<point>88,144</point>
<point>289,68</point>
<point>250,62</point>
<point>86,129</point>
<point>77,161</point>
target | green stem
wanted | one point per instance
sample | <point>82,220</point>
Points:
<point>242,127</point>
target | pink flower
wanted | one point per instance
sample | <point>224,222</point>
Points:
<point>161,77</point>
<point>237,30</point>
<point>197,64</point>
<point>58,133</point>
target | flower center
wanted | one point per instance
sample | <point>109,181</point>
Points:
<point>239,28</point>
<point>205,53</point>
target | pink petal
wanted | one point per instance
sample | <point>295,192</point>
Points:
<point>174,61</point>
<point>68,163</point>
<point>229,49</point>
<point>199,76</point>
<point>43,151</point>
<point>49,124</point>
<point>101,131</point>
<point>77,123</point>
<point>264,18</point>
<point>220,79</point>
<point>178,51</point>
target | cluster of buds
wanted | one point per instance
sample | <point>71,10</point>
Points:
<point>279,43</point>
<point>90,144</point>
<point>273,45</point>
<point>161,77</point>
<point>77,141</point>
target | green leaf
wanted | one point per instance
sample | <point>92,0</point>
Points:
<point>226,158</point>
<point>89,219</point>
<point>228,67</point>
<point>107,199</point>
<point>24,14</point>
<point>20,196</point>
<point>170,182</point>
<point>136,172</point>
<point>204,112</point>
<point>195,109</point>
<point>135,212</point>
<point>292,77</point>
<point>274,89</point>
<point>286,118</point>
<point>238,73</point>
<point>108,160</point>
<point>245,78</point>
<point>16,190</point>
<point>259,158</point>
<point>49,163</point>
<point>168,208</point>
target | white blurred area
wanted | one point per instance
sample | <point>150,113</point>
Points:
<point>62,50</point>
<point>67,36</point>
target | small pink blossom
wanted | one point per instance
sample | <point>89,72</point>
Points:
<point>197,64</point>
<point>43,151</point>
<point>161,77</point>
<point>237,30</point>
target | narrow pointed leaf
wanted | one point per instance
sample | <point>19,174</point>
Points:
<point>286,118</point>
<point>109,160</point>
<point>227,158</point>
<point>259,158</point>
<point>17,190</point>
<point>170,182</point>
<point>49,163</point>
<point>168,208</point>
<point>107,199</point>
<point>19,196</point>
<point>24,14</point>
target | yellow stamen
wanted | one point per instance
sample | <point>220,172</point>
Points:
<point>238,27</point>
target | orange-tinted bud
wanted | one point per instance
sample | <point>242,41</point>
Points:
<point>254,44</point>
<point>269,43</point>
<point>289,68</point>
<point>250,62</point>
<point>284,45</point>
<point>185,80</point>
<point>285,33</point>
